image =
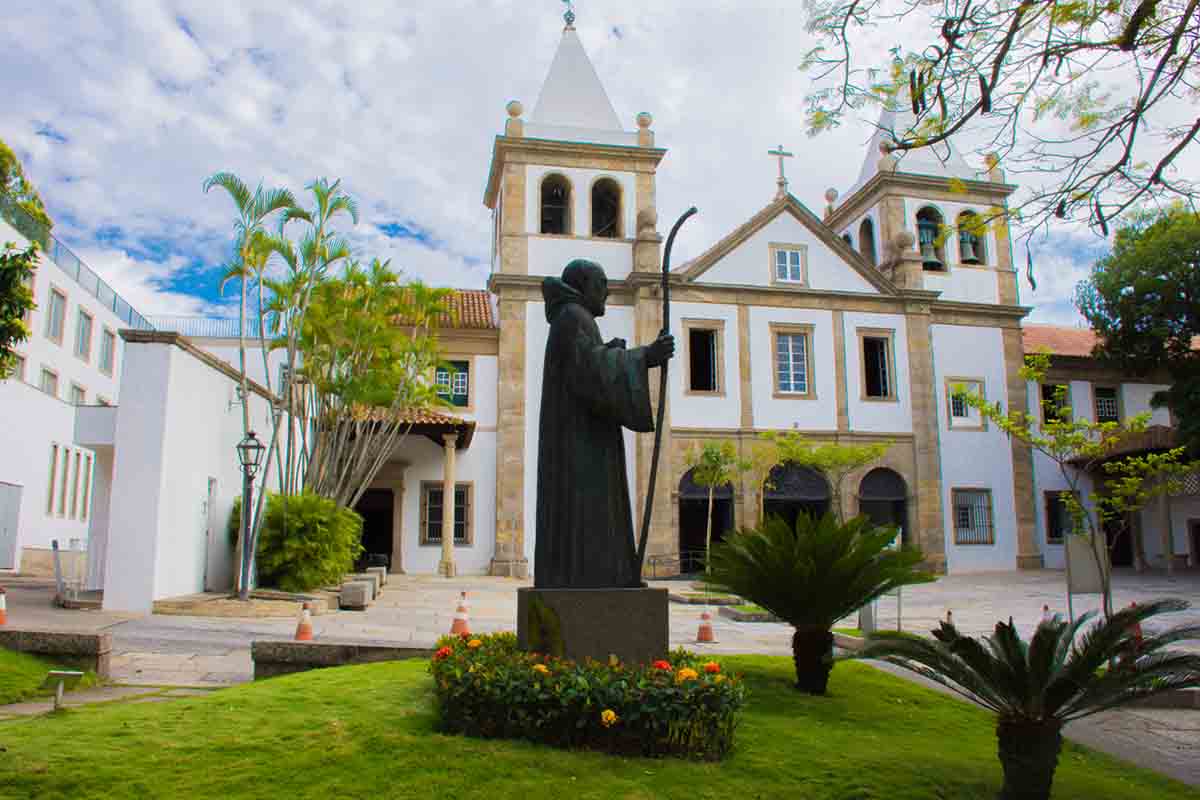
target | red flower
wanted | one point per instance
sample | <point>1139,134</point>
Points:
<point>663,665</point>
<point>712,667</point>
<point>465,635</point>
<point>442,654</point>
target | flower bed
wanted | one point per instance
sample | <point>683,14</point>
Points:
<point>681,706</point>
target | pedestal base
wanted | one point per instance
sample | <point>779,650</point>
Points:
<point>632,624</point>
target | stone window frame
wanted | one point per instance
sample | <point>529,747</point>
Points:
<point>950,382</point>
<point>775,247</point>
<point>619,235</point>
<point>1117,398</point>
<point>889,334</point>
<point>1067,402</point>
<point>56,337</point>
<point>809,330</point>
<point>570,213</point>
<point>80,313</point>
<point>104,334</point>
<point>82,393</point>
<point>469,360</point>
<point>42,383</point>
<point>718,327</point>
<point>423,518</point>
<point>991,511</point>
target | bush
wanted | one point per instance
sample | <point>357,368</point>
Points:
<point>681,706</point>
<point>306,542</point>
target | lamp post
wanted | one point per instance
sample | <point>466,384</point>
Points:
<point>249,451</point>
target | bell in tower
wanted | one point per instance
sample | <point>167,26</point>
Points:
<point>928,223</point>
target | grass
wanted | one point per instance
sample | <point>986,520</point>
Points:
<point>367,731</point>
<point>21,676</point>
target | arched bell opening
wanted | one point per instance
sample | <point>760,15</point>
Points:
<point>971,248</point>
<point>933,251</point>
<point>693,520</point>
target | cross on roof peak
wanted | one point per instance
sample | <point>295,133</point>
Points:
<point>569,15</point>
<point>781,182</point>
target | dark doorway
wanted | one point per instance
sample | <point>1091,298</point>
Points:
<point>793,490</point>
<point>883,497</point>
<point>1194,540</point>
<point>1120,542</point>
<point>376,506</point>
<point>693,520</point>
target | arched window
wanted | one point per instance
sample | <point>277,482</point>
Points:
<point>849,242</point>
<point>970,239</point>
<point>556,205</point>
<point>606,209</point>
<point>792,489</point>
<point>933,251</point>
<point>866,240</point>
<point>883,496</point>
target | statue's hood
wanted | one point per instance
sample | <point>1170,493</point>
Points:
<point>557,295</point>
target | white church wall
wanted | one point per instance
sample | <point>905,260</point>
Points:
<point>482,389</point>
<point>1135,399</point>
<point>817,412</point>
<point>1047,477</point>
<point>581,197</point>
<point>877,416</point>
<point>618,322</point>
<point>475,465</point>
<point>963,282</point>
<point>549,254</point>
<point>227,351</point>
<point>749,263</point>
<point>969,352</point>
<point>98,526</point>
<point>722,410</point>
<point>25,461</point>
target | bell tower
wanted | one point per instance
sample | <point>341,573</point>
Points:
<point>567,181</point>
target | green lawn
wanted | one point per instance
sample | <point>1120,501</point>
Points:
<point>21,676</point>
<point>367,731</point>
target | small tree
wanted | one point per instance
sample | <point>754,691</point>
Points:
<point>713,465</point>
<point>34,223</point>
<point>1080,446</point>
<point>16,300</point>
<point>836,461</point>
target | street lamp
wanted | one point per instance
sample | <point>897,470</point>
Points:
<point>250,452</point>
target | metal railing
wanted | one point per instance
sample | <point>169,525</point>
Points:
<point>68,262</point>
<point>211,327</point>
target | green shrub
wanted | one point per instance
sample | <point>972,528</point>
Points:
<point>306,542</point>
<point>234,529</point>
<point>485,686</point>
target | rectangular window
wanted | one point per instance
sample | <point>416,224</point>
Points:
<point>704,355</point>
<point>49,383</point>
<point>792,362</point>
<point>972,516</point>
<point>958,407</point>
<point>454,383</point>
<point>108,351</point>
<point>63,484</point>
<point>87,487</point>
<point>83,336</point>
<point>75,486</point>
<point>1107,407</point>
<point>78,395</point>
<point>961,415</point>
<point>52,479</point>
<point>30,284</point>
<point>1055,403</point>
<point>1058,517</point>
<point>878,380</point>
<point>789,263</point>
<point>56,316</point>
<point>433,506</point>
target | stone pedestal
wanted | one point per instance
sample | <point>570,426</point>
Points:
<point>631,624</point>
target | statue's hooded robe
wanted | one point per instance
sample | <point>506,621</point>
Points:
<point>589,392</point>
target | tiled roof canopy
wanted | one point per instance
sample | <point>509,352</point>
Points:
<point>425,422</point>
<point>1059,340</point>
<point>472,309</point>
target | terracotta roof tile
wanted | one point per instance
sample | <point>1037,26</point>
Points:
<point>472,310</point>
<point>1059,340</point>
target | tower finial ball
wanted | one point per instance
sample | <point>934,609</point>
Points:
<point>831,195</point>
<point>645,120</point>
<point>515,109</point>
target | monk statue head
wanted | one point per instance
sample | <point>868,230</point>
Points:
<point>588,278</point>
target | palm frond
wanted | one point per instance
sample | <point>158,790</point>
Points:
<point>234,185</point>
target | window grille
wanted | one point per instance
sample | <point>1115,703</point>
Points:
<point>1107,409</point>
<point>454,383</point>
<point>973,516</point>
<point>433,521</point>
<point>791,362</point>
<point>958,406</point>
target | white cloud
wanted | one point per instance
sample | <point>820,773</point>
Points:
<point>402,101</point>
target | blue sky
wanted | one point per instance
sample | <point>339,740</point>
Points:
<point>120,110</point>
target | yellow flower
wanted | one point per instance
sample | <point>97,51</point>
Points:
<point>719,679</point>
<point>608,717</point>
<point>474,644</point>
<point>686,674</point>
<point>542,668</point>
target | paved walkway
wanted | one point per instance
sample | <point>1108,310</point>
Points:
<point>159,650</point>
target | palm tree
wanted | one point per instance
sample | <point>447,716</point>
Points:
<point>813,576</point>
<point>1037,688</point>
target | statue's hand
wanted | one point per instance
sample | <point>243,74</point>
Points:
<point>617,343</point>
<point>660,351</point>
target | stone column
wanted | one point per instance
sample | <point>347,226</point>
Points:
<point>1028,554</point>
<point>663,539</point>
<point>930,531</point>
<point>509,559</point>
<point>1168,541</point>
<point>446,565</point>
<point>397,565</point>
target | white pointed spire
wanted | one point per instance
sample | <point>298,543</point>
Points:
<point>941,160</point>
<point>572,95</point>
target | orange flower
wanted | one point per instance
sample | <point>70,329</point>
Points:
<point>608,718</point>
<point>542,668</point>
<point>686,674</point>
<point>712,668</point>
<point>442,654</point>
<point>474,644</point>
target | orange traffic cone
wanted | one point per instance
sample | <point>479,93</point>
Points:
<point>1046,615</point>
<point>3,608</point>
<point>705,633</point>
<point>461,624</point>
<point>304,631</point>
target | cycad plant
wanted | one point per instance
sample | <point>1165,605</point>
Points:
<point>811,576</point>
<point>1036,688</point>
